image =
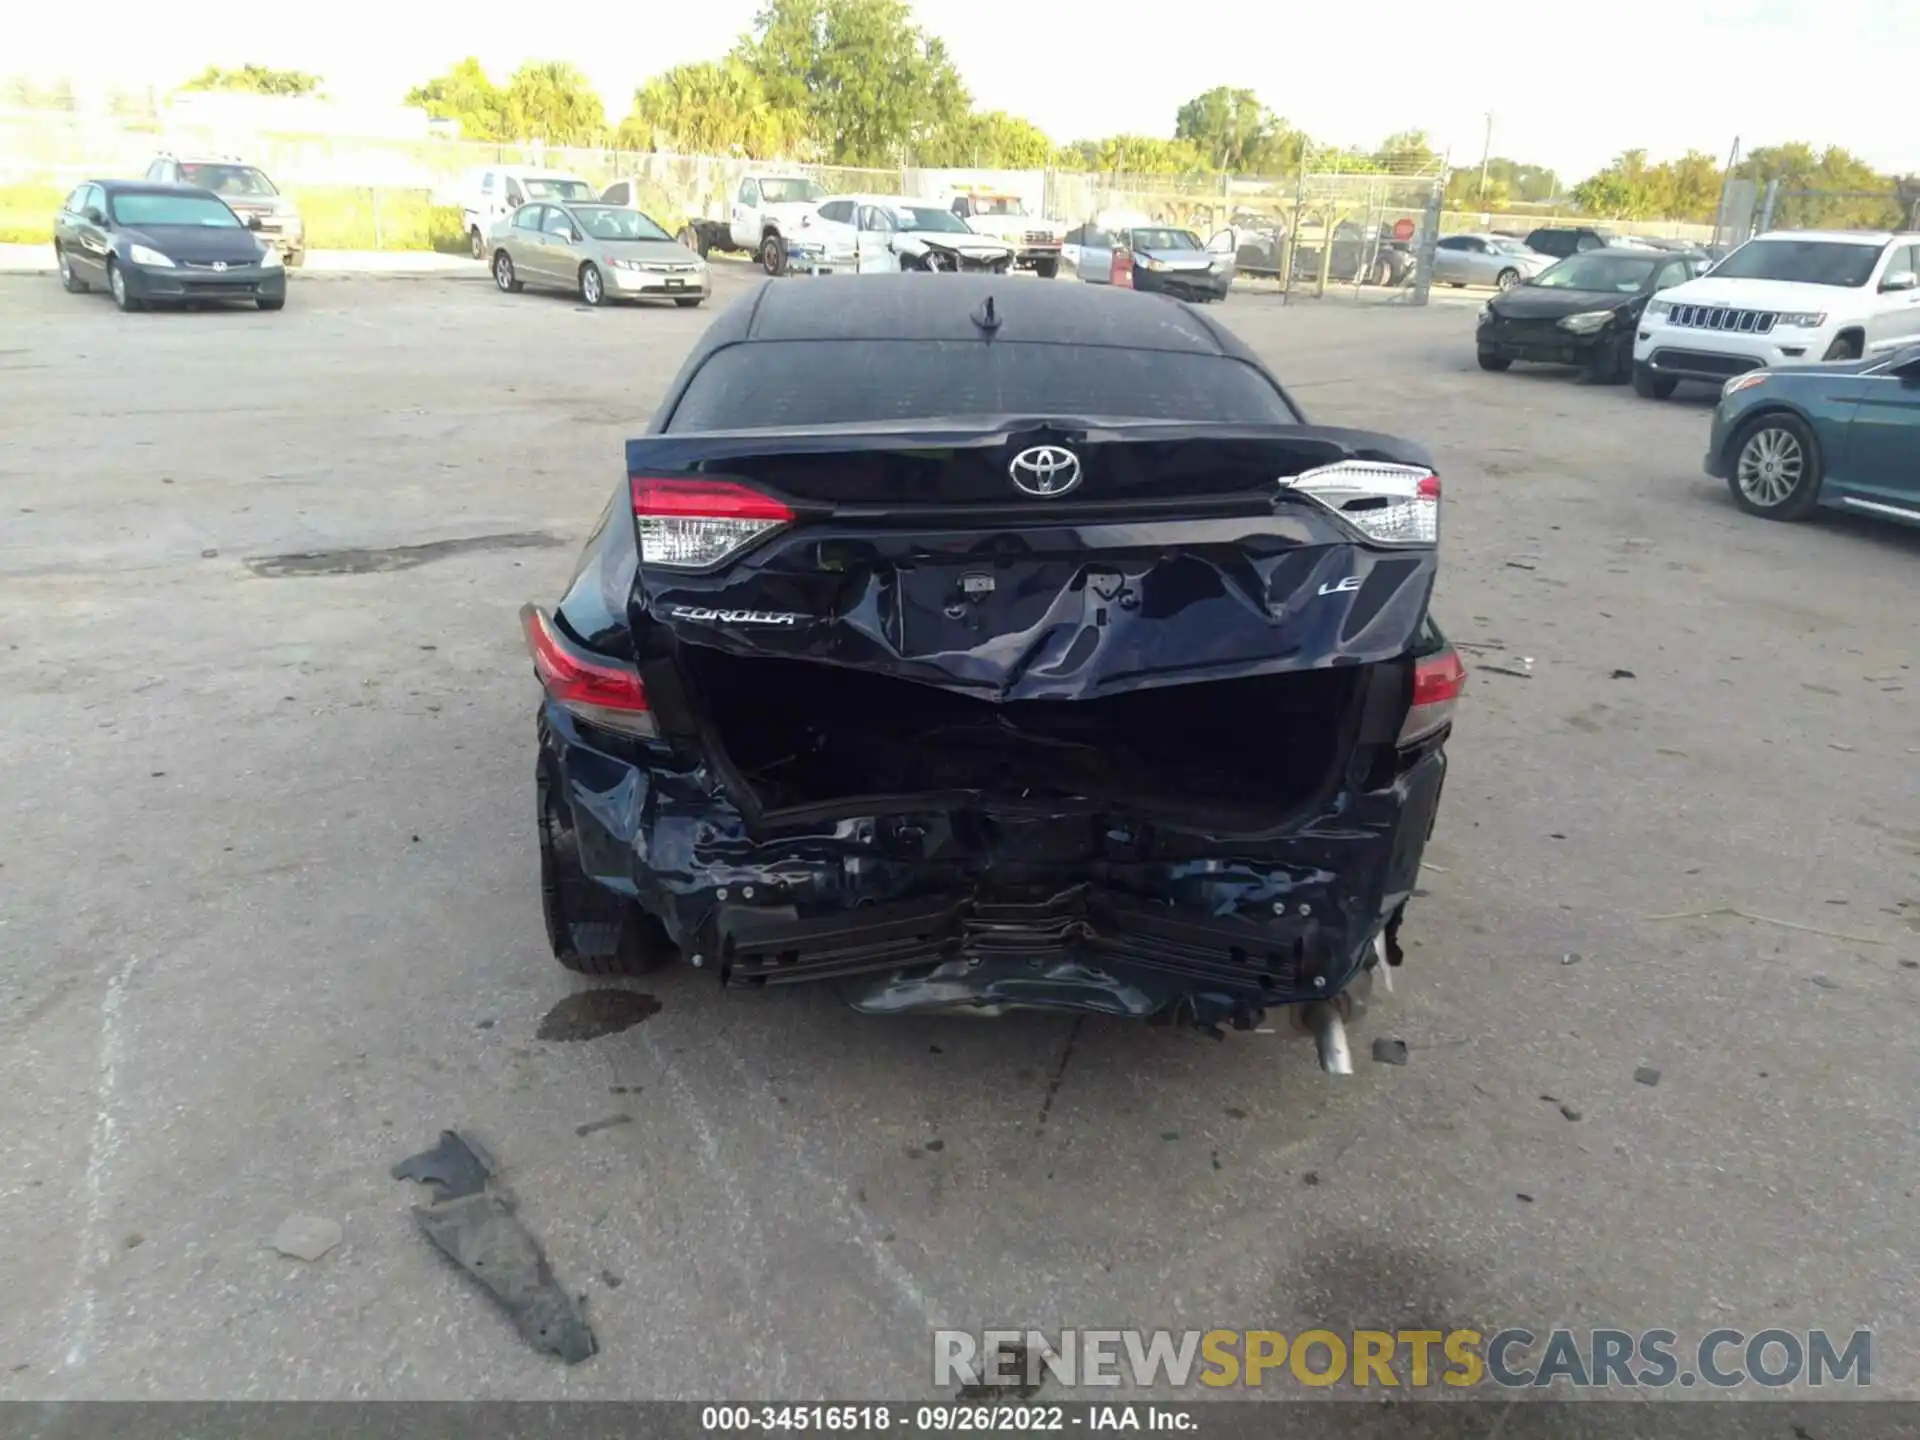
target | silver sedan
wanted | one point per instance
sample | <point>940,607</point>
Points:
<point>1497,260</point>
<point>598,252</point>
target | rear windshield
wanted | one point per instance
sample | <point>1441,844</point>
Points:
<point>772,383</point>
<point>1804,262</point>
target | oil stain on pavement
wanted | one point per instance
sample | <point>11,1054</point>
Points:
<point>397,557</point>
<point>590,1014</point>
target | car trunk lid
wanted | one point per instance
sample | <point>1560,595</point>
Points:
<point>1036,560</point>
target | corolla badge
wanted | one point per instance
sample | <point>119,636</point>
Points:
<point>1045,471</point>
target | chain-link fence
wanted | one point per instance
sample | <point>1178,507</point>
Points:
<point>356,192</point>
<point>1896,208</point>
<point>1367,226</point>
<point>1340,223</point>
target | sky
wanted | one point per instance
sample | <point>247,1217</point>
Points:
<point>1568,86</point>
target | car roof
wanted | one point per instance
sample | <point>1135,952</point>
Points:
<point>148,187</point>
<point>908,307</point>
<point>1850,237</point>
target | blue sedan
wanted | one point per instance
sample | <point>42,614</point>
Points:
<point>1845,435</point>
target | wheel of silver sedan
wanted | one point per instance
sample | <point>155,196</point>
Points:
<point>1771,466</point>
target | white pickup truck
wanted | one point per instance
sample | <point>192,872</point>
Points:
<point>1036,242</point>
<point>768,213</point>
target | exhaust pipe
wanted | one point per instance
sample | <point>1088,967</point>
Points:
<point>1330,1039</point>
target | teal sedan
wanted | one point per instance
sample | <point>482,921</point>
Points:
<point>1845,435</point>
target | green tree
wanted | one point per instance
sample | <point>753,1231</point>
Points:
<point>1692,188</point>
<point>1231,130</point>
<point>711,108</point>
<point>257,79</point>
<point>1628,189</point>
<point>989,140</point>
<point>468,96</point>
<point>1133,155</point>
<point>1228,127</point>
<point>1831,188</point>
<point>872,85</point>
<point>551,100</point>
<point>1406,152</point>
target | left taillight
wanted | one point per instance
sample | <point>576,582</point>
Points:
<point>1438,681</point>
<point>1389,504</point>
<point>696,524</point>
<point>601,692</point>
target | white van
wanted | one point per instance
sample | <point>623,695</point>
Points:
<point>490,193</point>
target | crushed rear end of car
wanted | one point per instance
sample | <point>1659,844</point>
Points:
<point>840,712</point>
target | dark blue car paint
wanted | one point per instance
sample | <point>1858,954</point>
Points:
<point>956,898</point>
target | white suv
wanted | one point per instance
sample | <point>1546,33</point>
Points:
<point>1785,298</point>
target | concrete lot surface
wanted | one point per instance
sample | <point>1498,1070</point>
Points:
<point>270,922</point>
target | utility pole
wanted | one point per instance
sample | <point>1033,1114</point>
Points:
<point>1486,154</point>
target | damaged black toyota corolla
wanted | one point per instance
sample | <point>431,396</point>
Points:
<point>978,645</point>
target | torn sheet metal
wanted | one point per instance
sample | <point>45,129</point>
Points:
<point>473,1222</point>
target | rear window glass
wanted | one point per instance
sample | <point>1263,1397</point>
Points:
<point>771,383</point>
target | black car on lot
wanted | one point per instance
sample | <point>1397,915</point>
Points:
<point>979,645</point>
<point>1581,311</point>
<point>144,242</point>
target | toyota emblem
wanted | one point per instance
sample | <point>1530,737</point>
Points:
<point>219,264</point>
<point>1045,471</point>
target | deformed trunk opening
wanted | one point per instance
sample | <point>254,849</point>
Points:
<point>804,734</point>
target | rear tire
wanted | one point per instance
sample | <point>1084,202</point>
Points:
<point>1775,470</point>
<point>590,930</point>
<point>773,254</point>
<point>1649,385</point>
<point>1046,269</point>
<point>503,275</point>
<point>477,243</point>
<point>1493,362</point>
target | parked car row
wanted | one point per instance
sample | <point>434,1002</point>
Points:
<point>1812,336</point>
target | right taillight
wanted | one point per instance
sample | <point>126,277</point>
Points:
<point>1437,683</point>
<point>695,524</point>
<point>1389,504</point>
<point>599,691</point>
